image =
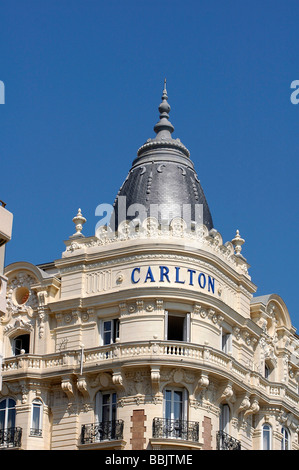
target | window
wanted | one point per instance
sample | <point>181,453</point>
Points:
<point>36,418</point>
<point>224,418</point>
<point>269,370</point>
<point>106,424</point>
<point>110,331</point>
<point>175,403</point>
<point>285,440</point>
<point>226,342</point>
<point>21,344</point>
<point>177,327</point>
<point>8,434</point>
<point>175,412</point>
<point>266,437</point>
<point>7,413</point>
<point>106,407</point>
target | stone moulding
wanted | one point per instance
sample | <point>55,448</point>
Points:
<point>198,237</point>
<point>156,353</point>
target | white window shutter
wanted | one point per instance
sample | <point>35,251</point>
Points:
<point>99,403</point>
<point>101,332</point>
<point>187,325</point>
<point>165,325</point>
<point>185,404</point>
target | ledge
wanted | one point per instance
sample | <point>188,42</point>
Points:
<point>104,445</point>
<point>161,444</point>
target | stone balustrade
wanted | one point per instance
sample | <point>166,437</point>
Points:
<point>200,357</point>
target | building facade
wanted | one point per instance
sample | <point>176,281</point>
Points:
<point>147,335</point>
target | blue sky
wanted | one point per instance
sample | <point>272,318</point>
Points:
<point>83,81</point>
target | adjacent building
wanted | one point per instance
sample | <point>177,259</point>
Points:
<point>147,335</point>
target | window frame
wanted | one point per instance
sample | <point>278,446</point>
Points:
<point>99,404</point>
<point>186,333</point>
<point>224,418</point>
<point>19,338</point>
<point>266,428</point>
<point>285,439</point>
<point>8,409</point>
<point>184,403</point>
<point>226,341</point>
<point>114,330</point>
<point>36,404</point>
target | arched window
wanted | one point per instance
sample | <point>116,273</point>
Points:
<point>285,440</point>
<point>267,437</point>
<point>7,413</point>
<point>36,418</point>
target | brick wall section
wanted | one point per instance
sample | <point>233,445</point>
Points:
<point>138,429</point>
<point>207,433</point>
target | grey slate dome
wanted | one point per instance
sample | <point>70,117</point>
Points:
<point>162,181</point>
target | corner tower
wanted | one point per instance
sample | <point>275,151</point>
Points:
<point>162,181</point>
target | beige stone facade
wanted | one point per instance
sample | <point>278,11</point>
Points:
<point>94,333</point>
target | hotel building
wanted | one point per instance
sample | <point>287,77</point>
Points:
<point>148,335</point>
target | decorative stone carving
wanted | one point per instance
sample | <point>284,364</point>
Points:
<point>245,404</point>
<point>198,235</point>
<point>254,407</point>
<point>117,380</point>
<point>82,386</point>
<point>228,394</point>
<point>20,324</point>
<point>79,221</point>
<point>20,296</point>
<point>67,387</point>
<point>155,378</point>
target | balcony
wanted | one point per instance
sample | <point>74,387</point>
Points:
<point>175,429</point>
<point>227,442</point>
<point>105,431</point>
<point>10,438</point>
<point>143,352</point>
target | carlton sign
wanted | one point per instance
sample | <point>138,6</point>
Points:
<point>173,274</point>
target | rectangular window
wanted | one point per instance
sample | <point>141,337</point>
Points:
<point>110,331</point>
<point>109,407</point>
<point>226,342</point>
<point>105,407</point>
<point>177,327</point>
<point>224,418</point>
<point>173,404</point>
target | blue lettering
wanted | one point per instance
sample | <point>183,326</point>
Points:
<point>164,273</point>
<point>211,284</point>
<point>177,276</point>
<point>202,280</point>
<point>133,275</point>
<point>191,271</point>
<point>149,275</point>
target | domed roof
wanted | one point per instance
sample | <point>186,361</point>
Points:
<point>162,182</point>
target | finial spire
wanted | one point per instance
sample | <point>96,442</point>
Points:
<point>164,128</point>
<point>238,242</point>
<point>164,91</point>
<point>79,221</point>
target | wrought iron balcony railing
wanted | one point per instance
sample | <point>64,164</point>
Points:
<point>10,437</point>
<point>227,442</point>
<point>105,431</point>
<point>175,429</point>
<point>36,432</point>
